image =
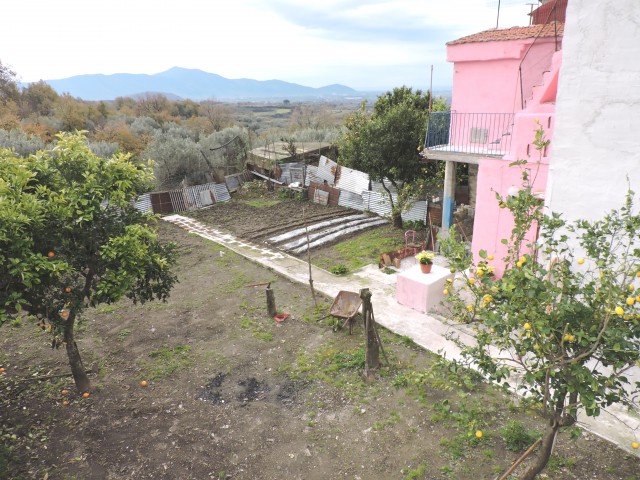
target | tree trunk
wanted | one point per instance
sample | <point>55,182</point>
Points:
<point>397,219</point>
<point>542,458</point>
<point>75,362</point>
<point>396,216</point>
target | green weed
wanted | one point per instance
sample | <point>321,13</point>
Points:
<point>166,360</point>
<point>516,436</point>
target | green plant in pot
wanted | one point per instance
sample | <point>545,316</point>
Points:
<point>425,259</point>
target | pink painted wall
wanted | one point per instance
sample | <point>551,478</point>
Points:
<point>485,78</point>
<point>492,223</point>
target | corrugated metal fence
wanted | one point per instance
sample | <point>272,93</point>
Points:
<point>185,199</point>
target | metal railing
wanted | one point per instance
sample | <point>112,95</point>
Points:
<point>471,133</point>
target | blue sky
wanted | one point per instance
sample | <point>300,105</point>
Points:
<point>367,45</point>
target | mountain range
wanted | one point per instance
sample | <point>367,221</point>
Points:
<point>195,85</point>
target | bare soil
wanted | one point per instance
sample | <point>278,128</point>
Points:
<point>233,394</point>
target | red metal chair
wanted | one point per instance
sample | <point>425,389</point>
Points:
<point>410,242</point>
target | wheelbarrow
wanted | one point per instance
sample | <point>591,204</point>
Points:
<point>346,306</point>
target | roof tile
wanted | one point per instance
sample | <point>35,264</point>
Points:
<point>514,33</point>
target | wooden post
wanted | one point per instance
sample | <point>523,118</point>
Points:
<point>271,302</point>
<point>313,292</point>
<point>372,355</point>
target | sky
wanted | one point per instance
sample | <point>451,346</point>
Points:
<point>369,45</point>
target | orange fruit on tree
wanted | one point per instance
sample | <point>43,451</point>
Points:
<point>85,394</point>
<point>64,314</point>
<point>68,289</point>
<point>64,392</point>
<point>51,254</point>
<point>1,369</point>
<point>143,383</point>
<point>65,403</point>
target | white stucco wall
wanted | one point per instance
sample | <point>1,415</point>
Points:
<point>596,142</point>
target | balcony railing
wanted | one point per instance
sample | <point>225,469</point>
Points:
<point>470,133</point>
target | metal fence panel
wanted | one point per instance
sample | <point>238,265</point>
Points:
<point>351,200</point>
<point>352,180</point>
<point>417,212</point>
<point>178,200</point>
<point>327,169</point>
<point>221,193</point>
<point>143,203</point>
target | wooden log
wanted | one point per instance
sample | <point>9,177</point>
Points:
<point>271,303</point>
<point>372,353</point>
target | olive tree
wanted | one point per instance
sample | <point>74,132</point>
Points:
<point>70,239</point>
<point>562,325</point>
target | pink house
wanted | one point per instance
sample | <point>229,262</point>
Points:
<point>505,83</point>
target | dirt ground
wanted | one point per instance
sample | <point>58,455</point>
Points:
<point>233,394</point>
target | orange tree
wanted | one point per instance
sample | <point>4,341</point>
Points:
<point>70,239</point>
<point>562,325</point>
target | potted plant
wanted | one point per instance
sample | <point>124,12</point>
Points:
<point>426,260</point>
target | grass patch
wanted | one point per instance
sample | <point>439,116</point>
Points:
<point>364,249</point>
<point>261,202</point>
<point>166,360</point>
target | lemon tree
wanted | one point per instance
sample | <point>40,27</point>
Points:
<point>71,239</point>
<point>562,325</point>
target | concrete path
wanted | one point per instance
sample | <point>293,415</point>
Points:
<point>428,331</point>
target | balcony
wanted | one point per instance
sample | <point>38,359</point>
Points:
<point>467,137</point>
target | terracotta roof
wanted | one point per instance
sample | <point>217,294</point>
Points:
<point>514,33</point>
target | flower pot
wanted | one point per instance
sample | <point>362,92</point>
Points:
<point>425,267</point>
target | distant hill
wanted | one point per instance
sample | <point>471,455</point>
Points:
<point>194,84</point>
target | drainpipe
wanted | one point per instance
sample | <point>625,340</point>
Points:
<point>448,198</point>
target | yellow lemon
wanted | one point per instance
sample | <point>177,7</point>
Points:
<point>472,281</point>
<point>638,274</point>
<point>479,273</point>
<point>519,264</point>
<point>580,261</point>
<point>635,445</point>
<point>527,326</point>
<point>631,288</point>
<point>445,292</point>
<point>470,308</point>
<point>631,301</point>
<point>536,347</point>
<point>619,311</point>
<point>490,257</point>
<point>523,259</point>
